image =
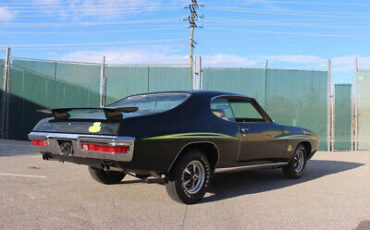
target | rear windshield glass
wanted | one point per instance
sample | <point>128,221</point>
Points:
<point>152,103</point>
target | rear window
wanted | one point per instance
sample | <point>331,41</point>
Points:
<point>152,103</point>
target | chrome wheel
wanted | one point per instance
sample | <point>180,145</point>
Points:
<point>298,160</point>
<point>193,177</point>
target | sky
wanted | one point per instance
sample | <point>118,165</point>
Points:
<point>292,34</point>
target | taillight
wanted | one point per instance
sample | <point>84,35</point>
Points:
<point>39,142</point>
<point>105,148</point>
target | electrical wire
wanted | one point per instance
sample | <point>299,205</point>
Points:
<point>276,23</point>
<point>95,31</point>
<point>90,44</point>
<point>292,12</point>
<point>93,13</point>
<point>88,9</point>
<point>290,33</point>
<point>49,24</point>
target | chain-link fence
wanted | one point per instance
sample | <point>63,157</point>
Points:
<point>343,117</point>
<point>291,97</point>
<point>363,110</point>
<point>36,84</point>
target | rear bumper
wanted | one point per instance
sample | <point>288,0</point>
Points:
<point>53,147</point>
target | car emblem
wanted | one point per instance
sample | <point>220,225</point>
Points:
<point>96,127</point>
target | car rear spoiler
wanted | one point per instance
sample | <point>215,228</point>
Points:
<point>110,113</point>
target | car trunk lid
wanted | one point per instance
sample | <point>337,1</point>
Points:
<point>102,120</point>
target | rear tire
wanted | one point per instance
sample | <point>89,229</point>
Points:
<point>189,179</point>
<point>296,166</point>
<point>106,177</point>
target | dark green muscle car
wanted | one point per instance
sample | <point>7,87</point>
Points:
<point>182,137</point>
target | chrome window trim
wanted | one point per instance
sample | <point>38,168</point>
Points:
<point>258,107</point>
<point>78,139</point>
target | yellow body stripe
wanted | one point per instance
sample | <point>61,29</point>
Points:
<point>296,137</point>
<point>189,135</point>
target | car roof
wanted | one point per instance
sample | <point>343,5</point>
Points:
<point>209,93</point>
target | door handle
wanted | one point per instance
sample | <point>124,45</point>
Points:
<point>244,130</point>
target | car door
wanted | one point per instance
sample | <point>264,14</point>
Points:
<point>257,133</point>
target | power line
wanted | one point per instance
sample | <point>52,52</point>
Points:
<point>63,45</point>
<point>290,33</point>
<point>66,6</point>
<point>94,13</point>
<point>26,24</point>
<point>318,3</point>
<point>57,3</point>
<point>88,9</point>
<point>94,31</point>
<point>277,23</point>
<point>292,12</point>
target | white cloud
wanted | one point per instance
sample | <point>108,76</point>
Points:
<point>76,9</point>
<point>147,55</point>
<point>157,54</point>
<point>6,15</point>
<point>227,60</point>
<point>298,59</point>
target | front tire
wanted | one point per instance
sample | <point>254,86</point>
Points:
<point>296,166</point>
<point>106,177</point>
<point>190,178</point>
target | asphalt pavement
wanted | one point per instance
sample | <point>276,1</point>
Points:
<point>333,194</point>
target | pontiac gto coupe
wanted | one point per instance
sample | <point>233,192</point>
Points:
<point>182,137</point>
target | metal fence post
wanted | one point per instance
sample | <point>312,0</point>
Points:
<point>200,73</point>
<point>102,91</point>
<point>5,95</point>
<point>332,115</point>
<point>265,76</point>
<point>329,118</point>
<point>356,106</point>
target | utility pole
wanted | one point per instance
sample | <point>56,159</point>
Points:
<point>192,19</point>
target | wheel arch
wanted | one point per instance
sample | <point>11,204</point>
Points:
<point>209,148</point>
<point>307,145</point>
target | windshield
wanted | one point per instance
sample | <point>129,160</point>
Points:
<point>152,103</point>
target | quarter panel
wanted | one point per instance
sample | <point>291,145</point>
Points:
<point>160,137</point>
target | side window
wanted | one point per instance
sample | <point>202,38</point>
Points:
<point>221,108</point>
<point>244,111</point>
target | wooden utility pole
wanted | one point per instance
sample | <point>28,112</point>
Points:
<point>192,19</point>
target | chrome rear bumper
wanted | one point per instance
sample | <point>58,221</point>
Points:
<point>53,146</point>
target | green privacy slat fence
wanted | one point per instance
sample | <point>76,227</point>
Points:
<point>291,97</point>
<point>299,98</point>
<point>343,116</point>
<point>36,84</point>
<point>47,84</point>
<point>126,80</point>
<point>169,78</point>
<point>249,82</point>
<point>364,110</point>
